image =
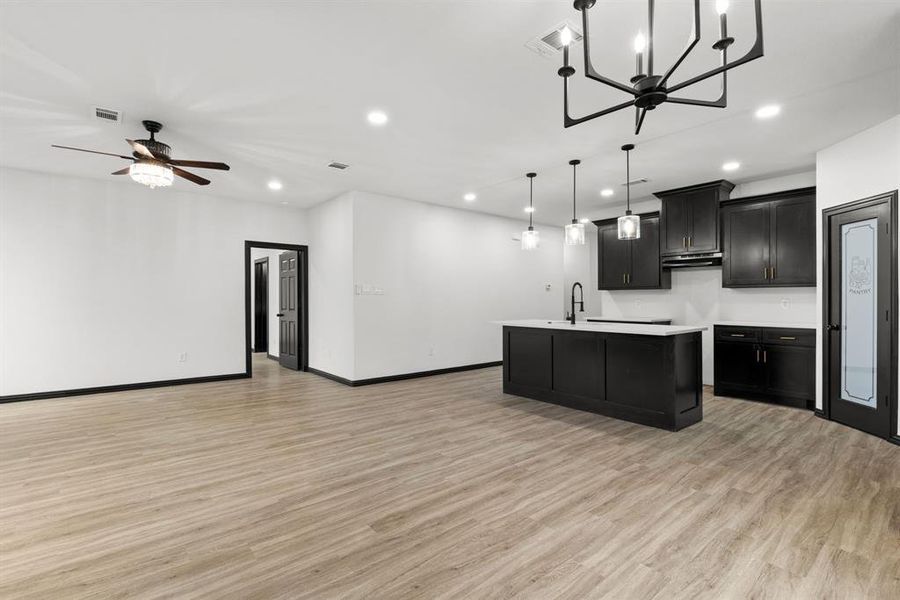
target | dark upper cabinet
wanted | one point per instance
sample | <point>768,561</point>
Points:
<point>770,241</point>
<point>630,265</point>
<point>689,218</point>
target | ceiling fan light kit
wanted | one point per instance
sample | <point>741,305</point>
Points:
<point>649,89</point>
<point>152,164</point>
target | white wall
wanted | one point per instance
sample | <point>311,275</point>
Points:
<point>697,296</point>
<point>331,336</point>
<point>445,275</point>
<point>274,281</point>
<point>105,283</point>
<point>864,165</point>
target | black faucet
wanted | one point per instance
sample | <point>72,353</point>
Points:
<point>580,302</point>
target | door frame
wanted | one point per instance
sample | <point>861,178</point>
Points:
<point>302,294</point>
<point>265,307</point>
<point>889,198</point>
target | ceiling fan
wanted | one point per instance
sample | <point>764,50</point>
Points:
<point>152,164</point>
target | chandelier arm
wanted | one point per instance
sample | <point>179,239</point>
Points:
<point>722,100</point>
<point>639,114</point>
<point>692,41</point>
<point>589,70</point>
<point>569,121</point>
<point>755,52</point>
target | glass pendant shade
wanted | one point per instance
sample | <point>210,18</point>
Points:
<point>531,239</point>
<point>151,173</point>
<point>575,234</point>
<point>629,227</point>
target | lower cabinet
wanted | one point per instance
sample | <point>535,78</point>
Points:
<point>766,363</point>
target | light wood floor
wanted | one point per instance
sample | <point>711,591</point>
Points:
<point>292,486</point>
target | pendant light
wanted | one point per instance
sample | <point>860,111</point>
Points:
<point>629,225</point>
<point>575,230</point>
<point>531,239</point>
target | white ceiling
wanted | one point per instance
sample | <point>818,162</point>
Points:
<point>280,89</point>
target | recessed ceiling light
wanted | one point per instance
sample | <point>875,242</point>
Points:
<point>606,192</point>
<point>731,166</point>
<point>284,201</point>
<point>377,117</point>
<point>585,221</point>
<point>275,185</point>
<point>768,111</point>
<point>529,209</point>
<point>470,197</point>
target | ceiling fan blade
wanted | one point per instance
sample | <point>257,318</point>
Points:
<point>190,176</point>
<point>140,148</point>
<point>122,171</point>
<point>91,151</point>
<point>200,164</point>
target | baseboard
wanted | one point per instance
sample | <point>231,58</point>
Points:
<point>119,388</point>
<point>272,357</point>
<point>402,376</point>
<point>894,439</point>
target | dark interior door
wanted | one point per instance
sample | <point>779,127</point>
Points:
<point>261,305</point>
<point>645,256</point>
<point>614,259</point>
<point>746,253</point>
<point>793,254</point>
<point>859,307</point>
<point>288,310</point>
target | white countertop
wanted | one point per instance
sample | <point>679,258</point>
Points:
<point>628,328</point>
<point>634,319</point>
<point>765,324</point>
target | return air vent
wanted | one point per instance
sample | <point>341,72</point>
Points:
<point>107,115</point>
<point>337,165</point>
<point>548,43</point>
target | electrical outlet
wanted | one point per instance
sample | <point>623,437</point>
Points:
<point>785,303</point>
<point>182,357</point>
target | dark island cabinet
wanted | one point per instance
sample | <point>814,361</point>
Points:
<point>770,241</point>
<point>689,218</point>
<point>630,264</point>
<point>766,363</point>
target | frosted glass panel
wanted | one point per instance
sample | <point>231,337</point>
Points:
<point>859,262</point>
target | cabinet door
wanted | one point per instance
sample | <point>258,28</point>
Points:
<point>745,252</point>
<point>703,222</point>
<point>793,241</point>
<point>738,367</point>
<point>674,225</point>
<point>645,272</point>
<point>613,260</point>
<point>790,372</point>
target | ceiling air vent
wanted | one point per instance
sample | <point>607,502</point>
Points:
<point>107,115</point>
<point>337,165</point>
<point>548,44</point>
<point>636,181</point>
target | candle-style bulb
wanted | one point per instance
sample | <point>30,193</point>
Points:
<point>721,6</point>
<point>640,42</point>
<point>565,36</point>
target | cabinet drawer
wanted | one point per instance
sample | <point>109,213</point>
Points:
<point>737,334</point>
<point>790,337</point>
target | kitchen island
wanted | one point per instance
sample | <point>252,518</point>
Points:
<point>647,374</point>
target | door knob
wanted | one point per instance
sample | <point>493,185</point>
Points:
<point>280,315</point>
<point>833,327</point>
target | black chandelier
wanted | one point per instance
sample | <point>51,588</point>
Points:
<point>649,90</point>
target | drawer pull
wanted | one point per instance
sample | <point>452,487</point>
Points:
<point>737,335</point>
<point>787,337</point>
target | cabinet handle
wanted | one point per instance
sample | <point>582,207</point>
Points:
<point>765,272</point>
<point>623,278</point>
<point>757,355</point>
<point>765,355</point>
<point>737,335</point>
<point>629,279</point>
<point>787,337</point>
<point>684,242</point>
<point>772,269</point>
<point>690,241</point>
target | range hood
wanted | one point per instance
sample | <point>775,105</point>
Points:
<point>684,261</point>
